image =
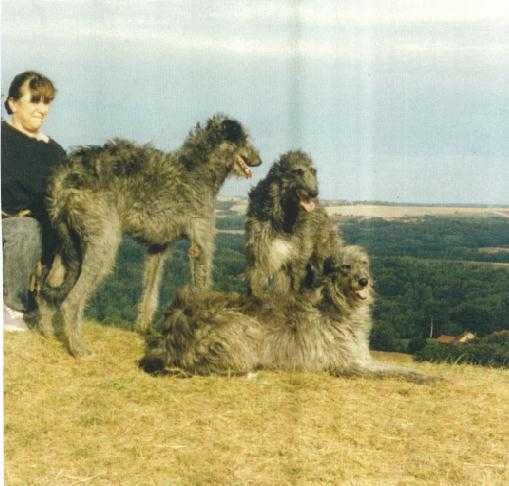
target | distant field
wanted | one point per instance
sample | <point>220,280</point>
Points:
<point>395,212</point>
<point>493,250</point>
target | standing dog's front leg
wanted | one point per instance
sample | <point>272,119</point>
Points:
<point>200,260</point>
<point>98,261</point>
<point>152,274</point>
<point>201,252</point>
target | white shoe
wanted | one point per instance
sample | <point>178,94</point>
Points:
<point>13,320</point>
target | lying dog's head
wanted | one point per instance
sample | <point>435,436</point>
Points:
<point>222,144</point>
<point>345,280</point>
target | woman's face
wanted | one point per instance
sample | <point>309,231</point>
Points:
<point>29,111</point>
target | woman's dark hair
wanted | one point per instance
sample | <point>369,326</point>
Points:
<point>40,87</point>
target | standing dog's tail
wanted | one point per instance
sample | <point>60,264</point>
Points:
<point>64,185</point>
<point>70,253</point>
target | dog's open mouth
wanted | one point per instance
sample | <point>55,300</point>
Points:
<point>362,294</point>
<point>306,202</point>
<point>244,168</point>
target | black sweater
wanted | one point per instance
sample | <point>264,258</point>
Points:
<point>26,167</point>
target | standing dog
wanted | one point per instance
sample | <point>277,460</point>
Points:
<point>211,332</point>
<point>285,228</point>
<point>156,197</point>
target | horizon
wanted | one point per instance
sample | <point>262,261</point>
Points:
<point>393,100</point>
<point>225,197</point>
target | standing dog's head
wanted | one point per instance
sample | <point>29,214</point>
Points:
<point>290,186</point>
<point>224,145</point>
<point>345,280</point>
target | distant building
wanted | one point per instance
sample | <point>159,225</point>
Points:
<point>462,338</point>
<point>443,339</point>
<point>465,337</point>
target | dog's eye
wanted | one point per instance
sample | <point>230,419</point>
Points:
<point>298,171</point>
<point>346,268</point>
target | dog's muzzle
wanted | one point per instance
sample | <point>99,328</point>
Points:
<point>307,200</point>
<point>363,292</point>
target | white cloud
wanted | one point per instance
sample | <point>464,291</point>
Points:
<point>309,13</point>
<point>164,41</point>
<point>355,12</point>
<point>263,28</point>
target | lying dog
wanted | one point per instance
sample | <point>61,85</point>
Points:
<point>212,332</point>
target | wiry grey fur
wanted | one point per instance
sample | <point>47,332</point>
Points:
<point>211,332</point>
<point>283,231</point>
<point>156,197</point>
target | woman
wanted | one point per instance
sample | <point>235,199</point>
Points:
<point>28,159</point>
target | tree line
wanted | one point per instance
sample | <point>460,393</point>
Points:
<point>430,277</point>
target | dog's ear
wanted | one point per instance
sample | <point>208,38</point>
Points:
<point>312,279</point>
<point>273,205</point>
<point>331,266</point>
<point>269,195</point>
<point>274,172</point>
<point>233,131</point>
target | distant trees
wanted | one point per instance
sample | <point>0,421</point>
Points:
<point>491,350</point>
<point>384,338</point>
<point>457,297</point>
<point>431,237</point>
<point>230,223</point>
<point>423,274</point>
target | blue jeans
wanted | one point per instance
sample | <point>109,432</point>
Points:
<point>21,243</point>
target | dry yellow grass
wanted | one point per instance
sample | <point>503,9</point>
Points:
<point>101,421</point>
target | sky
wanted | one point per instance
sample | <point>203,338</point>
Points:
<point>395,100</point>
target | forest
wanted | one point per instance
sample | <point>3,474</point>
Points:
<point>432,276</point>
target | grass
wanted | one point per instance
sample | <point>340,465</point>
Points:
<point>101,421</point>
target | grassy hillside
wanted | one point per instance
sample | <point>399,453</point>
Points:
<point>101,421</point>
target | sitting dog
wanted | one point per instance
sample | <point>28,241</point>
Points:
<point>285,228</point>
<point>155,197</point>
<point>212,332</point>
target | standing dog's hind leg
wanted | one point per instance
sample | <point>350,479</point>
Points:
<point>99,259</point>
<point>46,311</point>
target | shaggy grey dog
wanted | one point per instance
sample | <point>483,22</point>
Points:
<point>285,228</point>
<point>156,197</point>
<point>211,332</point>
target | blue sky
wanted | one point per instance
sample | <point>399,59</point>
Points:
<point>396,100</point>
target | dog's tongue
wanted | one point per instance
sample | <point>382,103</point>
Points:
<point>362,294</point>
<point>308,204</point>
<point>244,167</point>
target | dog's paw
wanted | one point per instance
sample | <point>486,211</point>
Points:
<point>142,328</point>
<point>152,365</point>
<point>78,349</point>
<point>46,331</point>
